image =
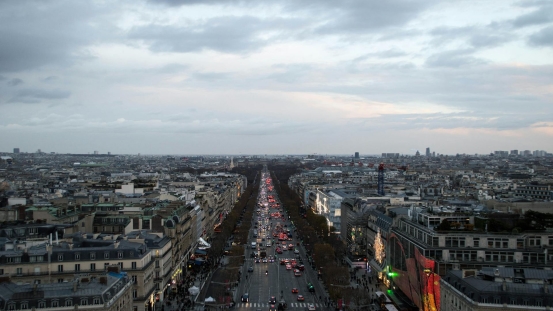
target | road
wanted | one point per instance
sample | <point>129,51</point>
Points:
<point>272,278</point>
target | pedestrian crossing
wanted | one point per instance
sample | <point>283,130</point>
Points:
<point>267,305</point>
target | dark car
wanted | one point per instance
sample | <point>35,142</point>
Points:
<point>272,300</point>
<point>250,269</point>
<point>246,298</point>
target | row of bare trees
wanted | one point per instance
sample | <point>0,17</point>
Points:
<point>326,247</point>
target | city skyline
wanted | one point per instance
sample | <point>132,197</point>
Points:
<point>286,77</point>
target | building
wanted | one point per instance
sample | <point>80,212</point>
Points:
<point>428,152</point>
<point>15,150</point>
<point>535,192</point>
<point>109,292</point>
<point>61,261</point>
<point>497,288</point>
<point>357,155</point>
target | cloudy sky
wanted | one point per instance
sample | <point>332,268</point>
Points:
<point>276,77</point>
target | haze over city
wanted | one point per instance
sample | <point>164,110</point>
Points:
<point>250,77</point>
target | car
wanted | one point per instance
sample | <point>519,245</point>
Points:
<point>295,290</point>
<point>288,267</point>
<point>310,307</point>
<point>297,272</point>
<point>300,298</point>
<point>250,269</point>
<point>264,260</point>
<point>301,267</point>
<point>257,260</point>
<point>268,244</point>
<point>246,298</point>
<point>272,300</point>
<point>310,287</point>
<point>272,308</point>
<point>296,251</point>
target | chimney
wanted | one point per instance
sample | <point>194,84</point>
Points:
<point>496,272</point>
<point>35,289</point>
<point>70,245</point>
<point>116,244</point>
<point>75,285</point>
<point>504,286</point>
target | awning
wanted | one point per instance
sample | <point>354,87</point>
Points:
<point>203,243</point>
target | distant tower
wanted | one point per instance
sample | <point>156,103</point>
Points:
<point>417,154</point>
<point>95,152</point>
<point>231,166</point>
<point>428,152</point>
<point>381,179</point>
<point>357,155</point>
<point>15,150</point>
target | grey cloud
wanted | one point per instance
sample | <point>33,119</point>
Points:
<point>31,96</point>
<point>543,37</point>
<point>477,36</point>
<point>454,58</point>
<point>50,79</point>
<point>15,82</point>
<point>225,34</point>
<point>360,17</point>
<point>39,33</point>
<point>2,78</point>
<point>336,17</point>
<point>542,15</point>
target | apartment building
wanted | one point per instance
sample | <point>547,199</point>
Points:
<point>93,254</point>
<point>108,292</point>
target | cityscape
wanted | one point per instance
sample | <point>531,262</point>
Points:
<point>359,232</point>
<point>284,155</point>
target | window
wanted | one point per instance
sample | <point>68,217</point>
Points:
<point>498,243</point>
<point>69,303</point>
<point>92,267</point>
<point>106,265</point>
<point>55,304</point>
<point>106,255</point>
<point>32,258</point>
<point>476,242</point>
<point>82,224</point>
<point>157,263</point>
<point>60,268</point>
<point>77,267</point>
<point>134,279</point>
<point>120,255</point>
<point>60,257</point>
<point>92,256</point>
<point>1,271</point>
<point>19,271</point>
<point>96,301</point>
<point>534,241</point>
<point>134,293</point>
<point>39,258</point>
<point>133,265</point>
<point>77,256</point>
<point>60,280</point>
<point>455,241</point>
<point>11,306</point>
<point>84,302</point>
<point>24,305</point>
<point>41,304</point>
<point>520,243</point>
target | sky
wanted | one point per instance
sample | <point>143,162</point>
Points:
<point>276,77</point>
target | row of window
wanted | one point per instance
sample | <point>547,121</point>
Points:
<point>93,266</point>
<point>24,305</point>
<point>93,256</point>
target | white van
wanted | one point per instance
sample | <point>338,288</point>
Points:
<point>253,245</point>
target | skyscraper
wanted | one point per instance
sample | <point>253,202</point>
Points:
<point>428,152</point>
<point>357,155</point>
<point>15,150</point>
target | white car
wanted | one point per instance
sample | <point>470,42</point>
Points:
<point>311,307</point>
